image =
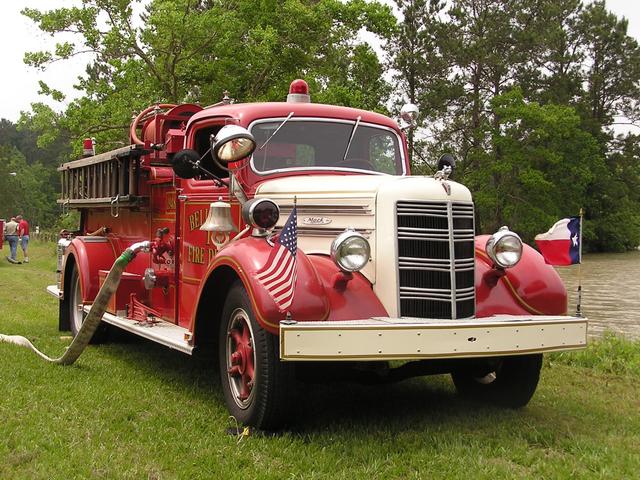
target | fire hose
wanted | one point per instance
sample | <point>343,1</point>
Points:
<point>93,318</point>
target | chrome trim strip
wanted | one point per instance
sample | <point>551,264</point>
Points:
<point>326,209</point>
<point>452,257</point>
<point>328,232</point>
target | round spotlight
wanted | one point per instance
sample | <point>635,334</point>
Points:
<point>261,213</point>
<point>350,251</point>
<point>232,143</point>
<point>505,248</point>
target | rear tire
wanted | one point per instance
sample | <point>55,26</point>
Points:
<point>508,381</point>
<point>75,309</point>
<point>255,383</point>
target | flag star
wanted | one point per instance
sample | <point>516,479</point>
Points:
<point>574,240</point>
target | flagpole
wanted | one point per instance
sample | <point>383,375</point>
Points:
<point>579,302</point>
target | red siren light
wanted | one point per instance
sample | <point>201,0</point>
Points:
<point>298,92</point>
<point>88,147</point>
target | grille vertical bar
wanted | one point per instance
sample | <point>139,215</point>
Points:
<point>436,262</point>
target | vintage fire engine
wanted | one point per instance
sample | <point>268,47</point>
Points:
<point>388,266</point>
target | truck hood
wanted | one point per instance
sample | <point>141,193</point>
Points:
<point>327,204</point>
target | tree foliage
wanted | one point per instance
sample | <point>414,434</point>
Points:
<point>185,51</point>
<point>525,93</point>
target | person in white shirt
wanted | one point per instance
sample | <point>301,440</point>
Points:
<point>11,234</point>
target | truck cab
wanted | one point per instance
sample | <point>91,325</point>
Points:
<point>290,232</point>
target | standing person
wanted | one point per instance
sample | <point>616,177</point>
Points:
<point>23,233</point>
<point>11,234</point>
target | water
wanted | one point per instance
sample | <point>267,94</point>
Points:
<point>610,292</point>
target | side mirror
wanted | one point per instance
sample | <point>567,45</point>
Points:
<point>409,114</point>
<point>185,163</point>
<point>232,143</point>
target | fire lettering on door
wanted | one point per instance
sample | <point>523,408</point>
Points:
<point>195,255</point>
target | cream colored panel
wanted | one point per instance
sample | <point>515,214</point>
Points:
<point>335,341</point>
<point>404,188</point>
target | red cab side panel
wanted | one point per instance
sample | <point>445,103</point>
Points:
<point>531,287</point>
<point>247,256</point>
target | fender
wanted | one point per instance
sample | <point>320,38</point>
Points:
<point>91,254</point>
<point>246,257</point>
<point>531,287</point>
<point>353,300</point>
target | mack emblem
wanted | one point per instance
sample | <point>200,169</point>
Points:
<point>316,221</point>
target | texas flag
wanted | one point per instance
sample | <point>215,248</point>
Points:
<point>561,244</point>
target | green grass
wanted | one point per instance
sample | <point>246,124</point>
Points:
<point>135,410</point>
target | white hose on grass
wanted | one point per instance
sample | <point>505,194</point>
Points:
<point>93,318</point>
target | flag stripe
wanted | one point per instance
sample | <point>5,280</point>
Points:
<point>278,275</point>
<point>271,263</point>
<point>561,244</point>
<point>285,261</point>
<point>276,285</point>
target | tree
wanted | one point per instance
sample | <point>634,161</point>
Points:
<point>186,50</point>
<point>25,189</point>
<point>612,67</point>
<point>546,165</point>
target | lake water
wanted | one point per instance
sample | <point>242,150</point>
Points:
<point>610,292</point>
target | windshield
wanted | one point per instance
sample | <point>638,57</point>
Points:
<point>322,144</point>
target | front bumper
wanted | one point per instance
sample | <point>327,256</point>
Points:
<point>382,338</point>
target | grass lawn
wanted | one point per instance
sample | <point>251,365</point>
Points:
<point>136,410</point>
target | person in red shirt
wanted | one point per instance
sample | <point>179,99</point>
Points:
<point>23,234</point>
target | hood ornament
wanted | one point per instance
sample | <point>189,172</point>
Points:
<point>443,176</point>
<point>446,164</point>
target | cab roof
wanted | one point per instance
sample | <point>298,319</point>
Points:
<point>246,113</point>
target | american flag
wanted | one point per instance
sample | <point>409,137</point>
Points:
<point>278,275</point>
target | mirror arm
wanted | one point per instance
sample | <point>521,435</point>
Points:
<point>210,174</point>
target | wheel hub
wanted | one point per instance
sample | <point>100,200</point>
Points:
<point>240,358</point>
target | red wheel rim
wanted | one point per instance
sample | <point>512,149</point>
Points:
<point>241,358</point>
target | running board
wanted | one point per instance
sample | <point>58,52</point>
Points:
<point>165,333</point>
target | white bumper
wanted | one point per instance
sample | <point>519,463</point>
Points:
<point>406,338</point>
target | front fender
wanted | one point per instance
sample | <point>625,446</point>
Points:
<point>531,287</point>
<point>90,255</point>
<point>353,300</point>
<point>248,256</point>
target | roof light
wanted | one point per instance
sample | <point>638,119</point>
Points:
<point>88,147</point>
<point>298,92</point>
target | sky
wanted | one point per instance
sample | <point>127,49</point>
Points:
<point>19,83</point>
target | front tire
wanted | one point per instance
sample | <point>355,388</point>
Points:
<point>255,383</point>
<point>507,381</point>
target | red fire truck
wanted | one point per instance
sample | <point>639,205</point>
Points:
<point>381,265</point>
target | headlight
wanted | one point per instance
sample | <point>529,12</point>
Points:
<point>351,251</point>
<point>505,248</point>
<point>261,213</point>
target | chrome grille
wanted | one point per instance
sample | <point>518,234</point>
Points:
<point>436,261</point>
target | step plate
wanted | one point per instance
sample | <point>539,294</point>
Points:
<point>407,339</point>
<point>162,332</point>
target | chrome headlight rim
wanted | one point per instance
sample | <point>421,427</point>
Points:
<point>504,258</point>
<point>338,256</point>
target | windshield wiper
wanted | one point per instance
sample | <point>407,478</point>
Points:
<point>353,132</point>
<point>276,130</point>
